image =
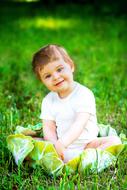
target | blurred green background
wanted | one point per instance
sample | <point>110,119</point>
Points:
<point>95,35</point>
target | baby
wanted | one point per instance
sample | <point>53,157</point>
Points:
<point>68,111</point>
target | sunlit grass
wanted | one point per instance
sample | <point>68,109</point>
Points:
<point>47,22</point>
<point>27,1</point>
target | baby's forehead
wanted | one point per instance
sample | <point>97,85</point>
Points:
<point>51,66</point>
<point>55,63</point>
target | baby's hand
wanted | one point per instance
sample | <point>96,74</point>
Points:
<point>60,149</point>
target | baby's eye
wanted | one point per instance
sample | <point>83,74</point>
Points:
<point>60,69</point>
<point>47,76</point>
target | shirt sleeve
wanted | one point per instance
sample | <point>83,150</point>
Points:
<point>46,109</point>
<point>86,103</point>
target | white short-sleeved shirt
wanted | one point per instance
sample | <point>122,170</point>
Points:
<point>63,112</point>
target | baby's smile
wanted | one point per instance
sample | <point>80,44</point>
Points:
<point>59,83</point>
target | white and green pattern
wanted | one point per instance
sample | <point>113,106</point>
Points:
<point>43,153</point>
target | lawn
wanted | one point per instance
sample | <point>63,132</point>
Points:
<point>97,42</point>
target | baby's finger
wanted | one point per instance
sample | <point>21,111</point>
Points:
<point>62,156</point>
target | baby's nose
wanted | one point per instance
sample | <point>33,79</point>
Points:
<point>55,76</point>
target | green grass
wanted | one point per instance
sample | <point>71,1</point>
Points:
<point>97,42</point>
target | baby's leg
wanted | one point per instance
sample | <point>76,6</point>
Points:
<point>104,142</point>
<point>38,138</point>
<point>71,153</point>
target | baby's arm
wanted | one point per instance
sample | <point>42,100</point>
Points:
<point>75,130</point>
<point>49,130</point>
<point>50,134</point>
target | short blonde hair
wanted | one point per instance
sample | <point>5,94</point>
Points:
<point>48,54</point>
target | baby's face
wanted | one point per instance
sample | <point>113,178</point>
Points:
<point>57,76</point>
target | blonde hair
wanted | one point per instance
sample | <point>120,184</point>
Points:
<point>48,54</point>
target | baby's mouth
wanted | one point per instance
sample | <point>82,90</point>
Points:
<point>59,83</point>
